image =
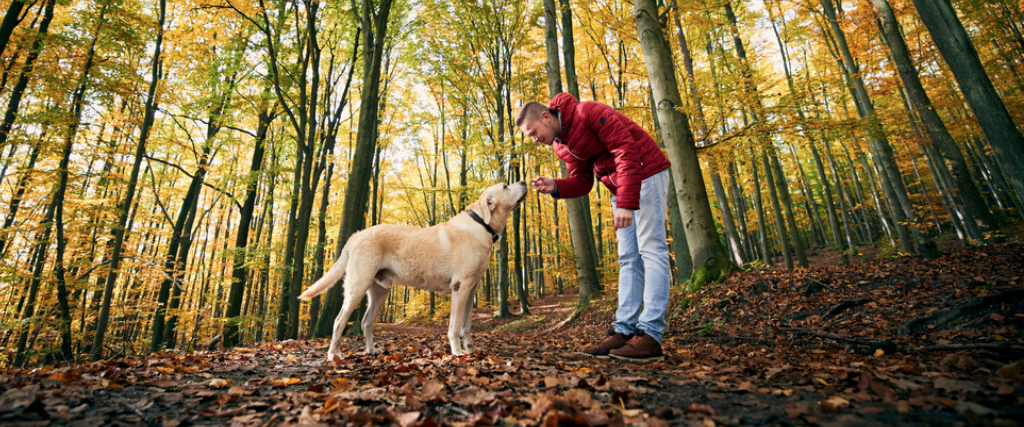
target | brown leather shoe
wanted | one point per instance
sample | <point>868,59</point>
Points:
<point>614,341</point>
<point>642,348</point>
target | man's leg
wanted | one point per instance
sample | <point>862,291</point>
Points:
<point>631,279</point>
<point>652,241</point>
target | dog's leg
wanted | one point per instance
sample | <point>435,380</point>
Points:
<point>377,294</point>
<point>356,283</point>
<point>459,300</point>
<point>464,334</point>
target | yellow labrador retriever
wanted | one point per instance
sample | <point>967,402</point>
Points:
<point>448,257</point>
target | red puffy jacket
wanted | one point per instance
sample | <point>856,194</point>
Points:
<point>597,139</point>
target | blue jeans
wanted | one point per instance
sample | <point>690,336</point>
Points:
<point>644,273</point>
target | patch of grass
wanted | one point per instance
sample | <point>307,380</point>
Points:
<point>521,325</point>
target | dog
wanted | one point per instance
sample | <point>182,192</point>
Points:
<point>450,257</point>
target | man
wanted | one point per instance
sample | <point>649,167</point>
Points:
<point>592,138</point>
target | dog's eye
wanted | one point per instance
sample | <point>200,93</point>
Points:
<point>504,186</point>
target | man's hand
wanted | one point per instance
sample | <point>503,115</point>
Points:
<point>544,185</point>
<point>623,218</point>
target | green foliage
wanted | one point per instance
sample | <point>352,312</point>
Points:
<point>707,330</point>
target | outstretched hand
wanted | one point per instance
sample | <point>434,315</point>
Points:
<point>543,185</point>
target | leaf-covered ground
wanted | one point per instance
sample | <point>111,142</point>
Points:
<point>894,341</point>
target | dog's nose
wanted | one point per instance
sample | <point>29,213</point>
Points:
<point>523,183</point>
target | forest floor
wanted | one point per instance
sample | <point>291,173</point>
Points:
<point>897,340</point>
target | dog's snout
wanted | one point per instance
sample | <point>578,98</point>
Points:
<point>523,183</point>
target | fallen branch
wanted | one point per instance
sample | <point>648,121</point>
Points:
<point>965,314</point>
<point>843,306</point>
<point>1016,346</point>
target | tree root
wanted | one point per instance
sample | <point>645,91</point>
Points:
<point>856,343</point>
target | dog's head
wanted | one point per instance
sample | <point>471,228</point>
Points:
<point>497,202</point>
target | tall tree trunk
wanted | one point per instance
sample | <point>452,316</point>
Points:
<point>706,251</point>
<point>240,262</point>
<point>735,245</point>
<point>120,229</point>
<point>966,193</point>
<point>14,103</point>
<point>762,227</point>
<point>957,49</point>
<point>578,209</point>
<point>780,220</point>
<point>11,20</point>
<point>892,180</point>
<point>373,25</point>
<point>680,249</point>
<point>15,204</point>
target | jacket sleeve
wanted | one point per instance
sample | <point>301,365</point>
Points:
<point>579,182</point>
<point>612,129</point>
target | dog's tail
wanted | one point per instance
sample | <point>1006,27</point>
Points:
<point>329,278</point>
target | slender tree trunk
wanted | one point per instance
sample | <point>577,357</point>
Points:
<point>780,220</point>
<point>240,262</point>
<point>14,103</point>
<point>680,249</point>
<point>730,226</point>
<point>373,25</point>
<point>966,192</point>
<point>120,229</point>
<point>762,228</point>
<point>891,179</point>
<point>11,20</point>
<point>957,49</point>
<point>706,251</point>
<point>15,204</point>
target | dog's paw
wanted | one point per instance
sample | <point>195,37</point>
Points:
<point>333,358</point>
<point>376,349</point>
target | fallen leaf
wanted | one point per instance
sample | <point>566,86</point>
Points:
<point>701,409</point>
<point>219,383</point>
<point>834,404</point>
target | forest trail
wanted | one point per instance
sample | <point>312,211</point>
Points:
<point>898,340</point>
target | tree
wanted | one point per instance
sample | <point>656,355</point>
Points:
<point>126,204</point>
<point>373,23</point>
<point>967,195</point>
<point>577,209</point>
<point>960,54</point>
<point>709,257</point>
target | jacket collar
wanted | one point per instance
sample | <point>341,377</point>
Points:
<point>476,217</point>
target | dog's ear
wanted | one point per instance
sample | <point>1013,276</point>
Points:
<point>482,209</point>
<point>487,208</point>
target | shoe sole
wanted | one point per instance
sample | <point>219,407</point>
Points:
<point>599,356</point>
<point>630,359</point>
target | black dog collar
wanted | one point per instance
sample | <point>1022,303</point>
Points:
<point>476,217</point>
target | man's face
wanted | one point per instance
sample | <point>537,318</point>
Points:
<point>543,129</point>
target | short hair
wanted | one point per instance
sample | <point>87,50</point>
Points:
<point>531,110</point>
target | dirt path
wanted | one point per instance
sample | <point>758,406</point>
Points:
<point>815,347</point>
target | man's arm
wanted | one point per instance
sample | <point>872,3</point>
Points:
<point>579,182</point>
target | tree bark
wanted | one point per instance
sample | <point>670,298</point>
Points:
<point>373,25</point>
<point>18,92</point>
<point>966,193</point>
<point>240,262</point>
<point>120,229</point>
<point>957,49</point>
<point>706,251</point>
